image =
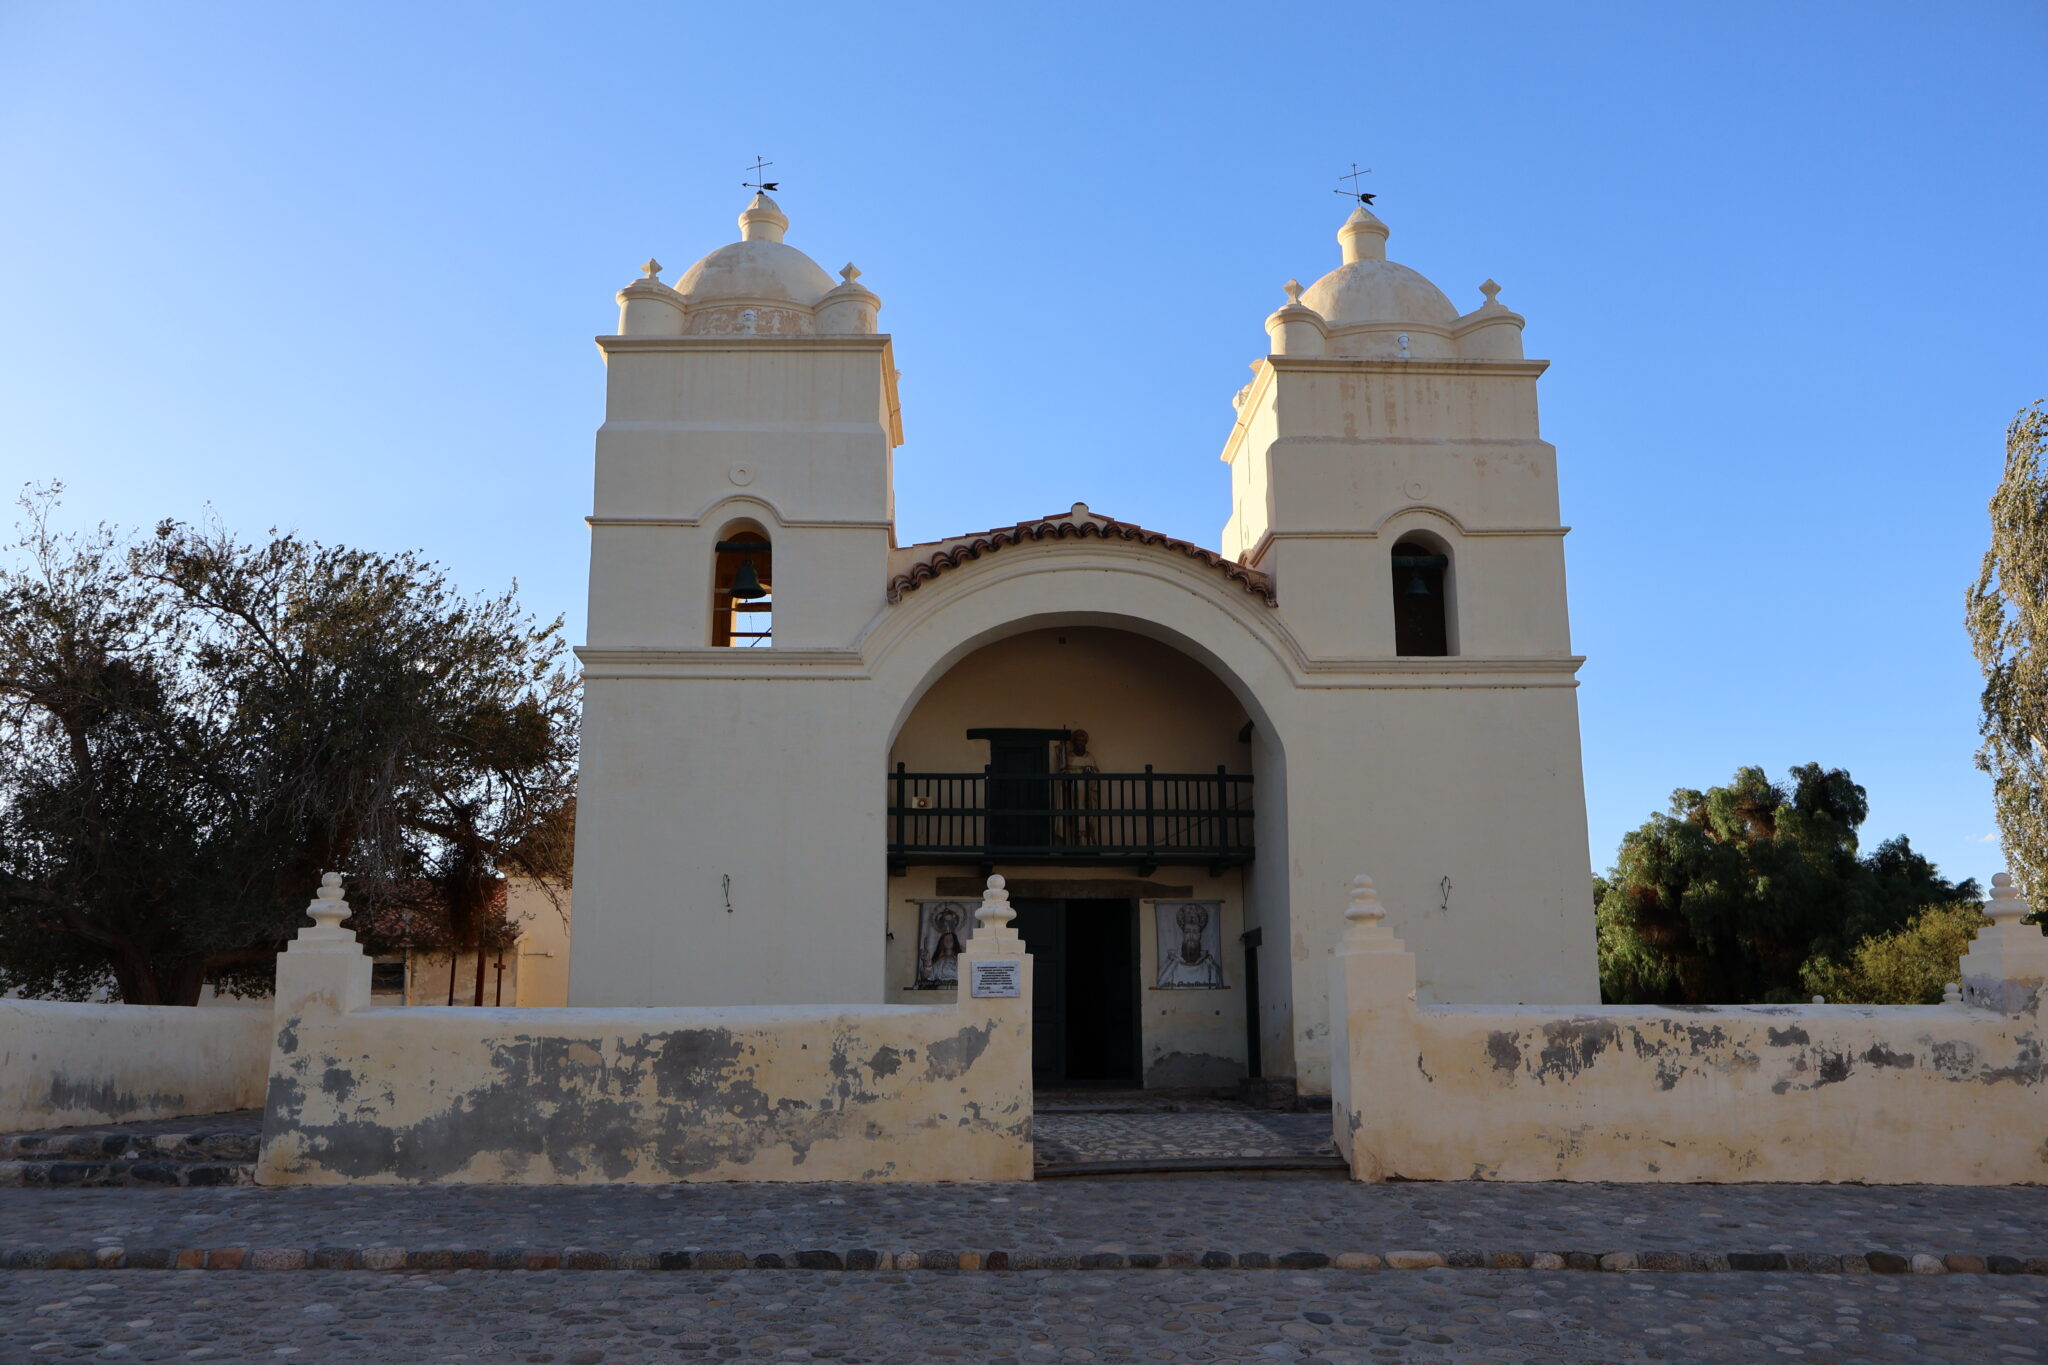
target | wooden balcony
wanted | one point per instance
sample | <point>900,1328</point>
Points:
<point>1144,820</point>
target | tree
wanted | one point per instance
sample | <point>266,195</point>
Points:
<point>1908,966</point>
<point>195,727</point>
<point>1727,896</point>
<point>2007,615</point>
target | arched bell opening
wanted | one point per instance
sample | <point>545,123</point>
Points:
<point>742,588</point>
<point>1421,578</point>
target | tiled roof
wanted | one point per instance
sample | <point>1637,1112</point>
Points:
<point>1080,525</point>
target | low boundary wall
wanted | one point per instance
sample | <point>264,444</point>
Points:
<point>64,1064</point>
<point>572,1096</point>
<point>1944,1094</point>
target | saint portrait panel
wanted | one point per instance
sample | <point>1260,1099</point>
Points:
<point>942,931</point>
<point>1190,938</point>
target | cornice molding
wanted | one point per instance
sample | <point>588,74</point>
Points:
<point>648,663</point>
<point>1459,366</point>
<point>857,341</point>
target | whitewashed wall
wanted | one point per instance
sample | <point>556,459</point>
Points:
<point>584,1096</point>
<point>1943,1094</point>
<point>65,1064</point>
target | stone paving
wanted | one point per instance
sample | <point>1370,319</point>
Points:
<point>241,1122</point>
<point>1466,1317</point>
<point>216,1149</point>
<point>1078,1142</point>
<point>1230,1216</point>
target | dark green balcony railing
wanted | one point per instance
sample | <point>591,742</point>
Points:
<point>1149,819</point>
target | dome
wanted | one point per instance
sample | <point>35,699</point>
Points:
<point>1369,288</point>
<point>758,268</point>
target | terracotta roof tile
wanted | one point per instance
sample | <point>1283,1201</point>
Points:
<point>1080,525</point>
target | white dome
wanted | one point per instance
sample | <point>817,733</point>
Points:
<point>755,271</point>
<point>1378,291</point>
<point>1369,288</point>
<point>758,268</point>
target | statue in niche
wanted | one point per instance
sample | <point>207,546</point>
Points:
<point>939,945</point>
<point>1190,945</point>
<point>1080,795</point>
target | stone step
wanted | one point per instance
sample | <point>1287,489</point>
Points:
<point>68,1173</point>
<point>203,1145</point>
<point>1330,1167</point>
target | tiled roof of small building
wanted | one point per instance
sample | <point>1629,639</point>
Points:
<point>1077,525</point>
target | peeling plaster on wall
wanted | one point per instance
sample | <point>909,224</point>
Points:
<point>1947,1093</point>
<point>577,1096</point>
<point>63,1063</point>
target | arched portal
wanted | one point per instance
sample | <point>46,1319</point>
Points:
<point>1114,779</point>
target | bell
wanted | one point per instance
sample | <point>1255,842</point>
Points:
<point>1418,586</point>
<point>746,584</point>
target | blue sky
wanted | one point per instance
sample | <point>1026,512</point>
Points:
<point>337,266</point>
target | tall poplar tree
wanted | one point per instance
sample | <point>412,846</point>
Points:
<point>2008,620</point>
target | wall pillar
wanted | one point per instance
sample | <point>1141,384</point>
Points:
<point>2008,961</point>
<point>995,1000</point>
<point>1373,1045</point>
<point>325,968</point>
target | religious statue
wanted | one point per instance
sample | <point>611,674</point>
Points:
<point>1189,942</point>
<point>1082,795</point>
<point>939,945</point>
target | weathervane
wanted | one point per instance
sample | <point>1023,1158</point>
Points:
<point>762,185</point>
<point>1354,192</point>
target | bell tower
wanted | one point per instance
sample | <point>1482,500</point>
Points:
<point>740,535</point>
<point>1387,451</point>
<point>754,402</point>
<point>1388,472</point>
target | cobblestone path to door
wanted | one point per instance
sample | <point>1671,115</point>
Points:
<point>1135,1133</point>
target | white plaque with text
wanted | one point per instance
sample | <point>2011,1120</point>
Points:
<point>999,977</point>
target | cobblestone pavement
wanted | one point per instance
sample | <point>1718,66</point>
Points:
<point>1470,1317</point>
<point>1137,1102</point>
<point>1187,1213</point>
<point>1074,1138</point>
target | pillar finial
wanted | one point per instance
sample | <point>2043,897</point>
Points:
<point>2007,906</point>
<point>327,910</point>
<point>995,913</point>
<point>1366,912</point>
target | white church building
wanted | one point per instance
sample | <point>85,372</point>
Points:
<point>806,745</point>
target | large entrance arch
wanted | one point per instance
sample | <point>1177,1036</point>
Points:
<point>1129,782</point>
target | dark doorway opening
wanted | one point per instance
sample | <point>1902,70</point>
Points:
<point>1019,799</point>
<point>1084,996</point>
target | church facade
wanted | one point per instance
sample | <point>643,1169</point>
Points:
<point>806,746</point>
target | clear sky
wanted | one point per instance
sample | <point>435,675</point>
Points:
<point>336,267</point>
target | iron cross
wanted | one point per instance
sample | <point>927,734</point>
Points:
<point>757,183</point>
<point>1354,192</point>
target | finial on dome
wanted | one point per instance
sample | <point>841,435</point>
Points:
<point>849,273</point>
<point>1363,236</point>
<point>1492,292</point>
<point>763,220</point>
<point>651,270</point>
<point>1292,289</point>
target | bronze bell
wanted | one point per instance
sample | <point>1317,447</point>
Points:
<point>1418,586</point>
<point>746,584</point>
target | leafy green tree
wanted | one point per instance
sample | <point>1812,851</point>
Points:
<point>1908,966</point>
<point>193,727</point>
<point>2008,619</point>
<point>1727,896</point>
